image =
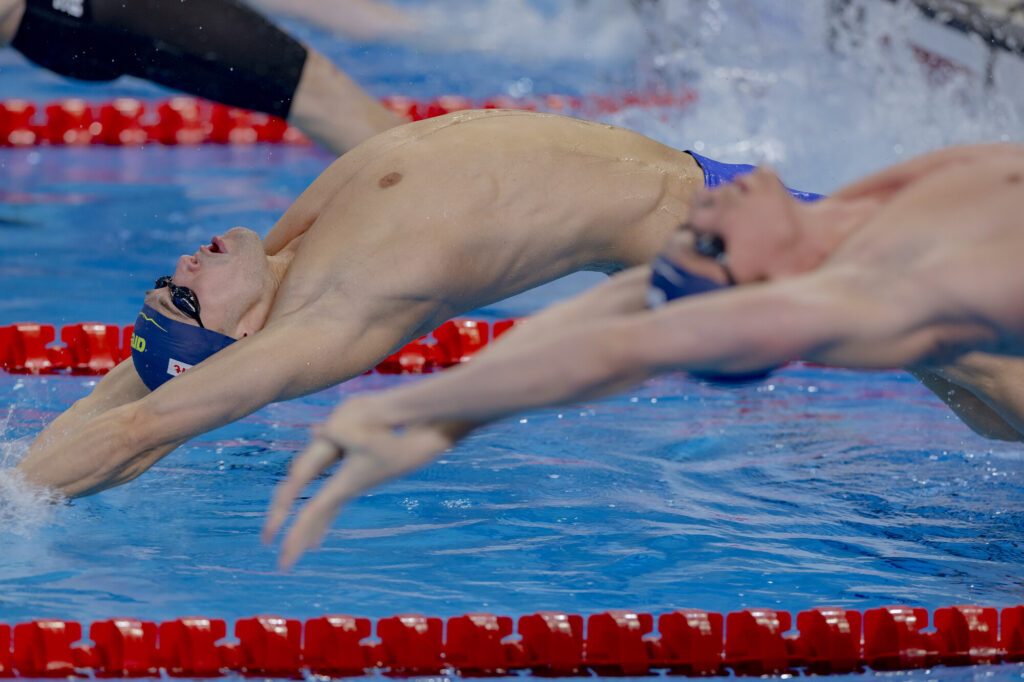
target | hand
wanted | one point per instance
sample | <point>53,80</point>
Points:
<point>372,451</point>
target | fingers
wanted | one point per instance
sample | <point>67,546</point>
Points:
<point>354,476</point>
<point>308,530</point>
<point>379,458</point>
<point>315,460</point>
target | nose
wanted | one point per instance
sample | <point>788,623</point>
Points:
<point>185,270</point>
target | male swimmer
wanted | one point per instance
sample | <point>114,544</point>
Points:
<point>917,266</point>
<point>415,226</point>
<point>218,49</point>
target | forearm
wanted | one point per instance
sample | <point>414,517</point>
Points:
<point>620,295</point>
<point>580,362</point>
<point>105,452</point>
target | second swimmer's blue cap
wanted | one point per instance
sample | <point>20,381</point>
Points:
<point>669,281</point>
<point>163,348</point>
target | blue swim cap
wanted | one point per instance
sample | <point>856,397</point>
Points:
<point>163,348</point>
<point>670,281</point>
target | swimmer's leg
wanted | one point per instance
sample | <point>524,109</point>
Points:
<point>218,49</point>
<point>333,110</point>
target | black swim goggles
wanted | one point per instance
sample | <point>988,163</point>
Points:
<point>711,246</point>
<point>183,298</point>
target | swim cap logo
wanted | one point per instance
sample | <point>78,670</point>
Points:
<point>72,7</point>
<point>138,343</point>
<point>153,322</point>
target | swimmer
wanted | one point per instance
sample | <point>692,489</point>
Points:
<point>917,266</point>
<point>419,224</point>
<point>218,49</point>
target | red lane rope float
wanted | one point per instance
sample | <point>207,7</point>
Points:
<point>614,643</point>
<point>190,121</point>
<point>96,348</point>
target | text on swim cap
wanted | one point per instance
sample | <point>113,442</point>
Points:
<point>176,367</point>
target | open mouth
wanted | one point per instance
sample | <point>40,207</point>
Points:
<point>216,245</point>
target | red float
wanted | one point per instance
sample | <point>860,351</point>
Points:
<point>189,647</point>
<point>16,127</point>
<point>43,648</point>
<point>690,643</point>
<point>6,667</point>
<point>26,351</point>
<point>125,648</point>
<point>411,645</point>
<point>475,645</point>
<point>333,646</point>
<point>269,646</point>
<point>754,642</point>
<point>553,643</point>
<point>616,644</point>
<point>1011,633</point>
<point>70,122</point>
<point>966,635</point>
<point>93,348</point>
<point>829,640</point>
<point>459,340</point>
<point>893,639</point>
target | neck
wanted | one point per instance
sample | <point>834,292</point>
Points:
<point>256,317</point>
<point>821,227</point>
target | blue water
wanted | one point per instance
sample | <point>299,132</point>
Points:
<point>816,488</point>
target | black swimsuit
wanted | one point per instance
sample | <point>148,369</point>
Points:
<point>217,49</point>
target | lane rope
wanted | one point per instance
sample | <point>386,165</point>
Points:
<point>94,348</point>
<point>191,121</point>
<point>614,643</point>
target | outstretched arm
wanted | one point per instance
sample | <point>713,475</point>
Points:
<point>294,356</point>
<point>582,356</point>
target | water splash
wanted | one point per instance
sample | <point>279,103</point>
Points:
<point>825,91</point>
<point>23,507</point>
<point>597,30</point>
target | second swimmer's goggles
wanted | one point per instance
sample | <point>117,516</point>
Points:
<point>183,298</point>
<point>670,281</point>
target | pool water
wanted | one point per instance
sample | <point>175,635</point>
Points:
<point>818,487</point>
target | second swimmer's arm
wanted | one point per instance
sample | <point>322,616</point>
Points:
<point>622,294</point>
<point>758,327</point>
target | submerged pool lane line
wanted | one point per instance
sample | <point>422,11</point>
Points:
<point>617,643</point>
